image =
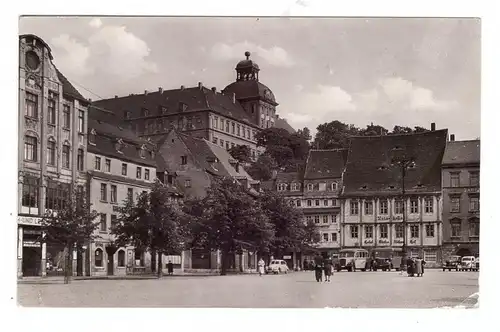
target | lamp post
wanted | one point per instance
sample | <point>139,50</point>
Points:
<point>401,159</point>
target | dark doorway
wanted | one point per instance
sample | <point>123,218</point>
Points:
<point>32,259</point>
<point>79,262</point>
<point>463,252</point>
<point>153,261</point>
<point>110,251</point>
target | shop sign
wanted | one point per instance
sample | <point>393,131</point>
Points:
<point>287,257</point>
<point>32,244</point>
<point>35,221</point>
<point>471,190</point>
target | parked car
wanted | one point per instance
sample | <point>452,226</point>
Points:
<point>468,263</point>
<point>477,263</point>
<point>452,263</point>
<point>277,266</point>
<point>381,263</point>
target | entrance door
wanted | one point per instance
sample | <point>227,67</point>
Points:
<point>111,265</point>
<point>32,259</point>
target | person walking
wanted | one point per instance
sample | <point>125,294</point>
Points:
<point>423,266</point>
<point>170,268</point>
<point>328,268</point>
<point>410,269</point>
<point>418,266</point>
<point>261,265</point>
<point>318,268</point>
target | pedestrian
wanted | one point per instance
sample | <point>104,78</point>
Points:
<point>318,268</point>
<point>328,268</point>
<point>170,268</point>
<point>261,265</point>
<point>423,265</point>
<point>410,268</point>
<point>418,266</point>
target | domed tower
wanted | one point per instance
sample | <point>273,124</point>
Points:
<point>256,98</point>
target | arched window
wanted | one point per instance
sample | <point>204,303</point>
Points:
<point>30,148</point>
<point>334,186</point>
<point>98,257</point>
<point>310,187</point>
<point>121,258</point>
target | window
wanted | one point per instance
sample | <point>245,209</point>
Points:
<point>30,148</point>
<point>310,187</point>
<point>248,133</point>
<point>121,258</point>
<point>368,207</point>
<point>474,179</point>
<point>322,186</point>
<point>233,128</point>
<point>398,207</point>
<point>142,152</point>
<point>79,160</point>
<point>215,122</point>
<point>243,133</point>
<point>238,132</point>
<point>455,204</point>
<point>97,163</point>
<point>413,206</point>
<point>414,231</point>
<point>384,209</point>
<point>384,231</point>
<point>309,202</point>
<point>399,231</point>
<point>31,105</point>
<point>187,183</point>
<point>299,203</point>
<point>104,192</point>
<point>308,219</point>
<point>146,174</point>
<point>334,186</point>
<point>316,219</point>
<point>429,205</point>
<point>473,228</point>
<point>184,160</point>
<point>325,237</point>
<point>65,156</point>
<point>31,190</point>
<point>138,173</point>
<point>325,219</point>
<point>334,237</point>
<point>138,257</point>
<point>227,145</point>
<point>51,110</point>
<point>316,202</point>
<point>66,117</point>
<point>130,194</point>
<point>107,165</point>
<point>102,224</point>
<point>456,228</point>
<point>354,232</point>
<point>113,220</point>
<point>293,187</point>
<point>429,230</point>
<point>334,202</point>
<point>222,142</point>
<point>113,194</point>
<point>325,202</point>
<point>227,125</point>
<point>221,124</point>
<point>430,256</point>
<point>214,140</point>
<point>81,122</point>
<point>474,204</point>
<point>281,186</point>
<point>51,152</point>
<point>56,195</point>
<point>354,208</point>
<point>124,169</point>
<point>334,218</point>
<point>455,179</point>
<point>170,179</point>
<point>98,257</point>
<point>369,232</point>
<point>232,145</point>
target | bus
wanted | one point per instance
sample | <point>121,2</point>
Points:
<point>386,259</point>
<point>353,259</point>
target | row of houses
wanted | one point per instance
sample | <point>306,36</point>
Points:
<point>116,148</point>
<point>355,195</point>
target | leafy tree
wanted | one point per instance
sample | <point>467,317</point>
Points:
<point>373,130</point>
<point>420,129</point>
<point>70,224</point>
<point>228,219</point>
<point>285,148</point>
<point>290,232</point>
<point>334,135</point>
<point>312,235</point>
<point>240,153</point>
<point>401,130</point>
<point>272,137</point>
<point>305,133</point>
<point>262,169</point>
<point>155,223</point>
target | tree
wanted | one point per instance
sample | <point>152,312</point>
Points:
<point>334,135</point>
<point>373,130</point>
<point>401,130</point>
<point>154,223</point>
<point>304,133</point>
<point>240,153</point>
<point>290,232</point>
<point>70,224</point>
<point>228,219</point>
<point>262,169</point>
<point>420,129</point>
<point>285,148</point>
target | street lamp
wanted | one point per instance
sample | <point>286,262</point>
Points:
<point>401,159</point>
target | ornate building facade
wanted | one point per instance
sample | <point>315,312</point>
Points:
<point>52,152</point>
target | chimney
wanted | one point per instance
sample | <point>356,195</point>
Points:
<point>200,85</point>
<point>116,96</point>
<point>452,137</point>
<point>160,90</point>
<point>433,126</point>
<point>145,92</point>
<point>234,98</point>
<point>182,87</point>
<point>214,89</point>
<point>90,100</point>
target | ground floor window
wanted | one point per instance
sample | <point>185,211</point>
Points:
<point>139,257</point>
<point>430,256</point>
<point>121,258</point>
<point>98,257</point>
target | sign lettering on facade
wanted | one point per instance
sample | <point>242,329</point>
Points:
<point>35,221</point>
<point>383,241</point>
<point>398,241</point>
<point>287,257</point>
<point>32,244</point>
<point>368,241</point>
<point>413,241</point>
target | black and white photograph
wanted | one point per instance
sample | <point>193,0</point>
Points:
<point>244,161</point>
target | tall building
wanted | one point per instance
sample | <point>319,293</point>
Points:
<point>460,183</point>
<point>227,118</point>
<point>52,152</point>
<point>373,205</point>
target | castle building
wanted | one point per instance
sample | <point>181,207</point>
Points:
<point>52,147</point>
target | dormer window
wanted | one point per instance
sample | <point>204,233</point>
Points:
<point>294,186</point>
<point>237,167</point>
<point>92,135</point>
<point>310,187</point>
<point>281,186</point>
<point>334,186</point>
<point>364,187</point>
<point>152,153</point>
<point>392,187</point>
<point>145,112</point>
<point>126,115</point>
<point>182,107</point>
<point>142,152</point>
<point>162,110</point>
<point>119,146</point>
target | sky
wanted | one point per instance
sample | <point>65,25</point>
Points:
<point>386,71</point>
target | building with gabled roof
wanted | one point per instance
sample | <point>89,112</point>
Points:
<point>372,204</point>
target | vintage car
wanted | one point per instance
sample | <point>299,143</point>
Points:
<point>277,266</point>
<point>468,263</point>
<point>452,263</point>
<point>381,263</point>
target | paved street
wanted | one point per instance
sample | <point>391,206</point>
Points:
<point>295,290</point>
